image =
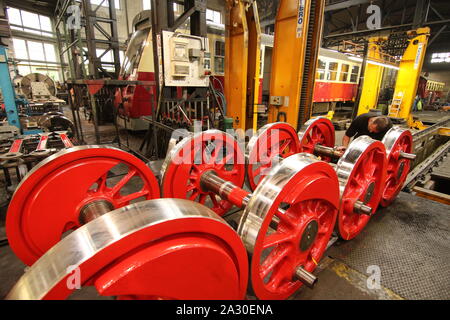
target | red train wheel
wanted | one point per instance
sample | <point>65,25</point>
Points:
<point>48,202</point>
<point>316,131</point>
<point>288,223</point>
<point>362,172</point>
<point>396,140</point>
<point>189,159</point>
<point>144,251</point>
<point>272,141</point>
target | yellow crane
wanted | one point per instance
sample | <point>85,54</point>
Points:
<point>298,31</point>
<point>242,62</point>
<point>408,78</point>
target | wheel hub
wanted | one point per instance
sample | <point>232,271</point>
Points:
<point>94,209</point>
<point>369,192</point>
<point>309,235</point>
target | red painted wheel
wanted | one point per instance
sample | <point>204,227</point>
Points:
<point>158,249</point>
<point>47,203</point>
<point>211,150</point>
<point>362,172</point>
<point>396,140</point>
<point>288,223</point>
<point>316,131</point>
<point>272,141</point>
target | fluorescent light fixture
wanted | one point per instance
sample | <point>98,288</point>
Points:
<point>390,66</point>
<point>355,59</point>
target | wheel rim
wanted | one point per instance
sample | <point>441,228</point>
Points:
<point>361,172</point>
<point>317,131</point>
<point>276,256</point>
<point>189,159</point>
<point>396,140</point>
<point>272,141</point>
<point>32,225</point>
<point>135,253</point>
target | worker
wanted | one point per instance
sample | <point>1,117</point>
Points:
<point>367,124</point>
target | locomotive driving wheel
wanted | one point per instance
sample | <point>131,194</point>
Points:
<point>398,143</point>
<point>273,142</point>
<point>316,132</point>
<point>63,192</point>
<point>213,151</point>
<point>287,224</point>
<point>362,173</point>
<point>144,251</point>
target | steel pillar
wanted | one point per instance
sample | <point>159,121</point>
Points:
<point>9,96</point>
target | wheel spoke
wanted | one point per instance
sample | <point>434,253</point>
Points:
<point>101,183</point>
<point>276,239</point>
<point>284,146</point>
<point>274,258</point>
<point>123,181</point>
<point>286,219</point>
<point>125,199</point>
<point>194,195</point>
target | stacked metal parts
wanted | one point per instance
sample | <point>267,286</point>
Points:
<point>117,236</point>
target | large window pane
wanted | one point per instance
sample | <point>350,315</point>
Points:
<point>332,71</point>
<point>355,73</point>
<point>24,70</point>
<point>213,16</point>
<point>14,16</point>
<point>45,23</point>
<point>50,54</point>
<point>321,66</point>
<point>344,72</point>
<point>31,20</point>
<point>36,50</point>
<point>20,49</point>
<point>146,4</point>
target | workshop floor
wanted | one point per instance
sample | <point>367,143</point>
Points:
<point>408,242</point>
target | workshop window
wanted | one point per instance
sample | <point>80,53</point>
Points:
<point>30,22</point>
<point>355,74</point>
<point>343,76</point>
<point>332,71</point>
<point>146,4</point>
<point>321,66</point>
<point>213,16</point>
<point>35,56</point>
<point>219,56</point>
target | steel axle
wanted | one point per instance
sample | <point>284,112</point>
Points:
<point>406,155</point>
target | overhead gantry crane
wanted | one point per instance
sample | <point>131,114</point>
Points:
<point>408,78</point>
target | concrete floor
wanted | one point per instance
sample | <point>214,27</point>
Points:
<point>337,279</point>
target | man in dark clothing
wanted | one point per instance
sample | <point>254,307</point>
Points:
<point>367,124</point>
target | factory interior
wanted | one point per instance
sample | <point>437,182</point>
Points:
<point>225,150</point>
